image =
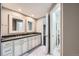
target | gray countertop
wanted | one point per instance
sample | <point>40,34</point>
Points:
<point>8,38</point>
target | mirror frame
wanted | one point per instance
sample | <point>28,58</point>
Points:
<point>10,23</point>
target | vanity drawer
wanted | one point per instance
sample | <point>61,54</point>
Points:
<point>7,48</point>
<point>7,52</point>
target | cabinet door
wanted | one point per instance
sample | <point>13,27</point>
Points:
<point>25,45</point>
<point>33,42</point>
<point>39,39</point>
<point>36,40</point>
<point>7,48</point>
<point>30,43</point>
<point>17,47</point>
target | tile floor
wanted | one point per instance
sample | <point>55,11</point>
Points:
<point>40,51</point>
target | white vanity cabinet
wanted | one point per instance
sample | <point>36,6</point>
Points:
<point>17,47</point>
<point>7,48</point>
<point>30,43</point>
<point>24,45</point>
<point>36,40</point>
<point>20,45</point>
<point>33,42</point>
<point>40,39</point>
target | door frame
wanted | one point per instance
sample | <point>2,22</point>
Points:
<point>44,34</point>
<point>61,26</point>
<point>0,28</point>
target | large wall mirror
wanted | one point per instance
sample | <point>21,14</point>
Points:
<point>16,24</point>
<point>30,25</point>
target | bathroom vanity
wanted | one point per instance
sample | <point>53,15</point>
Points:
<point>19,44</point>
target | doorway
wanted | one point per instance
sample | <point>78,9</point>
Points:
<point>44,34</point>
<point>55,31</point>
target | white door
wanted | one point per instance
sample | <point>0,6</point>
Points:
<point>54,30</point>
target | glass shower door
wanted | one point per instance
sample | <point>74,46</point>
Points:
<point>55,31</point>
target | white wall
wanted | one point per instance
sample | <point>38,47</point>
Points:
<point>39,26</point>
<point>4,21</point>
<point>70,29</point>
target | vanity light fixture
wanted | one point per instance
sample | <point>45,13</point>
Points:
<point>32,15</point>
<point>19,10</point>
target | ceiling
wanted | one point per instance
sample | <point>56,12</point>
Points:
<point>35,10</point>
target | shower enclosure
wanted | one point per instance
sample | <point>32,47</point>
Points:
<point>55,31</point>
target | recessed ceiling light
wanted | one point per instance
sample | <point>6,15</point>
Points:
<point>19,10</point>
<point>32,15</point>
